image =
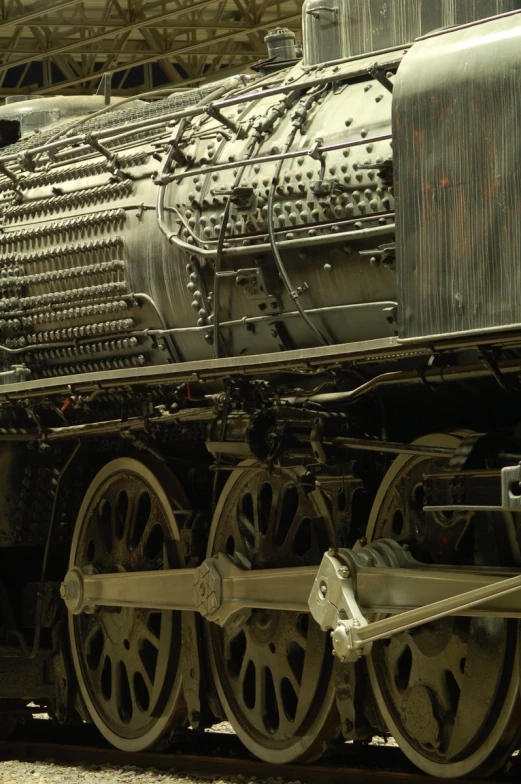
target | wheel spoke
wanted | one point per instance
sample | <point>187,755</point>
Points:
<point>126,661</point>
<point>300,630</point>
<point>287,692</point>
<point>95,628</point>
<point>246,526</point>
<point>274,512</point>
<point>261,670</point>
<point>285,672</point>
<point>151,548</point>
<point>445,688</point>
<point>475,705</point>
<point>115,684</point>
<point>260,691</point>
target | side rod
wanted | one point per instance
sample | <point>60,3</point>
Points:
<point>220,590</point>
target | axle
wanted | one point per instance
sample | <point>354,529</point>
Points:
<point>348,589</point>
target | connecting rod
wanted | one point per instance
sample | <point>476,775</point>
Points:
<point>218,589</point>
<point>348,593</point>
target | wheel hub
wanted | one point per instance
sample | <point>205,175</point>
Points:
<point>263,625</point>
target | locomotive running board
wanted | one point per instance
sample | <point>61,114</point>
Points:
<point>207,369</point>
<point>349,587</point>
<point>304,360</point>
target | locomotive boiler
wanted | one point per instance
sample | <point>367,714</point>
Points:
<point>260,399</point>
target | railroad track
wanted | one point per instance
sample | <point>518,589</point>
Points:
<point>371,765</point>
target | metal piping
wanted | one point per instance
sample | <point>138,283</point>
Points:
<point>253,250</point>
<point>298,361</point>
<point>291,291</point>
<point>195,111</point>
<point>282,156</point>
<point>160,204</point>
<point>220,246</point>
<point>270,319</point>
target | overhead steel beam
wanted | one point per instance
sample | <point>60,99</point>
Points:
<point>156,53</point>
<point>23,19</point>
<point>62,89</point>
<point>154,21</point>
<point>116,26</point>
<point>166,53</point>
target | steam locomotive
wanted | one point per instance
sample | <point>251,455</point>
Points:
<point>260,396</point>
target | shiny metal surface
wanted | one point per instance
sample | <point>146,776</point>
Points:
<point>462,227</point>
<point>137,291</point>
<point>322,35</point>
<point>343,28</point>
<point>222,592</point>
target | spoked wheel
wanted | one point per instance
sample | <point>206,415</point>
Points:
<point>127,661</point>
<point>273,673</point>
<point>448,691</point>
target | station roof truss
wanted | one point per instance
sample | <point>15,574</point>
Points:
<point>60,47</point>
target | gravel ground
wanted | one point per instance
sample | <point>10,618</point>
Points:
<point>51,773</point>
<point>19,772</point>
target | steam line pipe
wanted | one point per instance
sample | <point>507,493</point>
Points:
<point>195,111</point>
<point>281,156</point>
<point>301,242</point>
<point>160,204</point>
<point>292,361</point>
<point>271,319</point>
<point>166,331</point>
<point>281,267</point>
<point>219,250</point>
<point>117,105</point>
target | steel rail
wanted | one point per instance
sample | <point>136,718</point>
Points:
<point>378,765</point>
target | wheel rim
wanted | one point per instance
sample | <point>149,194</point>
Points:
<point>273,673</point>
<point>127,661</point>
<point>448,691</point>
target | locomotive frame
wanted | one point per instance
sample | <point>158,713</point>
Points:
<point>195,492</point>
